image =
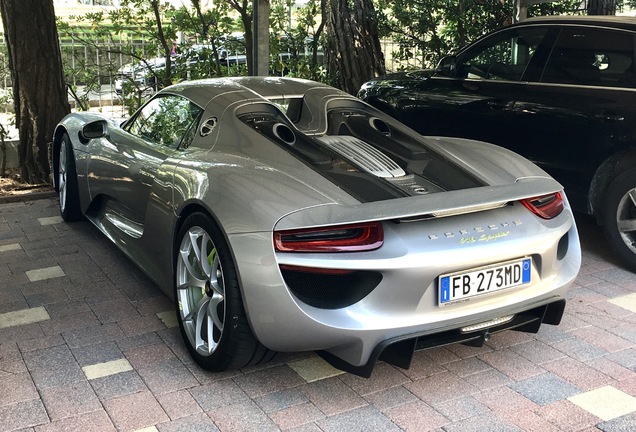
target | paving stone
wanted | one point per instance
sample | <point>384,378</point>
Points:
<point>16,388</point>
<point>135,411</point>
<point>626,423</point>
<point>117,385</point>
<point>440,388</point>
<point>167,376</point>
<point>24,316</point>
<point>567,416</point>
<point>92,335</point>
<point>269,380</point>
<point>486,422</point>
<point>96,421</point>
<point>70,400</point>
<point>115,310</point>
<point>579,350</point>
<point>460,409</point>
<point>390,398</point>
<point>577,373</point>
<point>22,415</point>
<point>313,369</point>
<point>179,404</point>
<point>467,367</point>
<point>511,364</point>
<point>538,352</point>
<point>45,273</point>
<point>332,396</point>
<point>55,377</point>
<point>606,403</point>
<point>218,394</point>
<point>545,388</point>
<point>488,380</point>
<point>97,353</point>
<point>416,416</point>
<point>365,418</point>
<point>296,415</point>
<point>505,399</point>
<point>101,370</point>
<point>193,423</point>
<point>243,416</point>
<point>280,400</point>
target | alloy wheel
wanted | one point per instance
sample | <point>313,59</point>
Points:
<point>200,291</point>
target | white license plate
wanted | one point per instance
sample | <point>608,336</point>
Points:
<point>471,283</point>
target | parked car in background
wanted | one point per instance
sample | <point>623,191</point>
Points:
<point>559,90</point>
<point>286,215</point>
<point>139,76</point>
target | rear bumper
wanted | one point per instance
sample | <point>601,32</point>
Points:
<point>399,351</point>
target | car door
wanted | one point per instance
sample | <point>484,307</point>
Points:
<point>579,111</point>
<point>124,169</point>
<point>475,100</point>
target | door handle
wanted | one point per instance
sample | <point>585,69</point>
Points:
<point>609,117</point>
<point>499,105</point>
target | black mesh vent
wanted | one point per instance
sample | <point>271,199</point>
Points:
<point>330,291</point>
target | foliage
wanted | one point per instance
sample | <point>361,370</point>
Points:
<point>426,30</point>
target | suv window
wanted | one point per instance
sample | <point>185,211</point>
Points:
<point>504,57</point>
<point>592,57</point>
<point>164,120</point>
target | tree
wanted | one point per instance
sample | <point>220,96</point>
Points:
<point>352,53</point>
<point>39,90</point>
<point>601,7</point>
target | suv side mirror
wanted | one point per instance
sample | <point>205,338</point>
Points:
<point>447,66</point>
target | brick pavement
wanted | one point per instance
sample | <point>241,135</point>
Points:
<point>87,343</point>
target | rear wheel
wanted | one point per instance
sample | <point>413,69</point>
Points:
<point>619,217</point>
<point>67,182</point>
<point>209,305</point>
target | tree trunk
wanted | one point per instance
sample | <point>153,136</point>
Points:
<point>39,90</point>
<point>601,7</point>
<point>353,53</point>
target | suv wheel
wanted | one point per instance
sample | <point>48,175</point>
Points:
<point>618,215</point>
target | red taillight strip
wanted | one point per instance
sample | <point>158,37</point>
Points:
<point>545,206</point>
<point>327,271</point>
<point>340,238</point>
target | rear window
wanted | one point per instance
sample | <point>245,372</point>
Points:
<point>592,57</point>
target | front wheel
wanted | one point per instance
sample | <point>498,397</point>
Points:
<point>619,217</point>
<point>209,304</point>
<point>68,190</point>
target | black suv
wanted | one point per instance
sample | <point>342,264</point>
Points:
<point>559,90</point>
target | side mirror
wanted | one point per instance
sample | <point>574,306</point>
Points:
<point>447,66</point>
<point>94,130</point>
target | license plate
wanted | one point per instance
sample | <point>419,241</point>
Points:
<point>471,283</point>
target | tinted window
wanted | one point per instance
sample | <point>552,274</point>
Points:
<point>592,57</point>
<point>504,57</point>
<point>164,120</point>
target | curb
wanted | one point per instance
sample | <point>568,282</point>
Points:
<point>32,196</point>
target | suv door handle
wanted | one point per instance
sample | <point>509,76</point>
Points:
<point>499,105</point>
<point>609,116</point>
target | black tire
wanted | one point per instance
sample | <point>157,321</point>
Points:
<point>226,347</point>
<point>618,215</point>
<point>67,188</point>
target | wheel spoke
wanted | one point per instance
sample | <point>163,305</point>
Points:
<point>200,318</point>
<point>197,279</point>
<point>627,226</point>
<point>632,196</point>
<point>213,310</point>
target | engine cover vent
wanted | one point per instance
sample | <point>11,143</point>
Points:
<point>363,155</point>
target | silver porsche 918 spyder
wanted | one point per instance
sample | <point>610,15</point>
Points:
<point>285,215</point>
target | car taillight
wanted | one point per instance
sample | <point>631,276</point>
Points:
<point>545,206</point>
<point>342,238</point>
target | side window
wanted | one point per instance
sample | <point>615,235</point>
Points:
<point>592,57</point>
<point>504,57</point>
<point>165,120</point>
